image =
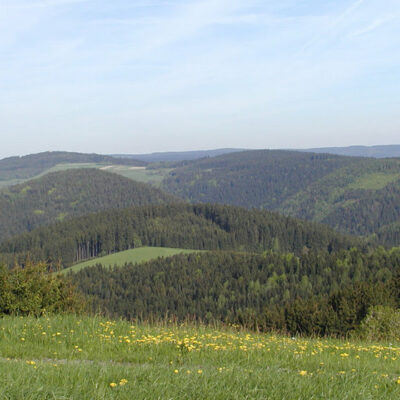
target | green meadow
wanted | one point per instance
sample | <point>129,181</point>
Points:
<point>70,357</point>
<point>133,256</point>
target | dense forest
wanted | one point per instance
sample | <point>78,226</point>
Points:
<point>359,199</point>
<point>34,164</point>
<point>353,195</point>
<point>203,227</point>
<point>259,178</point>
<point>60,195</point>
<point>312,293</point>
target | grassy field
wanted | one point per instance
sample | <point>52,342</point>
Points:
<point>374,181</point>
<point>151,176</point>
<point>137,255</point>
<point>91,358</point>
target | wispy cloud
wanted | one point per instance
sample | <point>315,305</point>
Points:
<point>167,66</point>
<point>375,24</point>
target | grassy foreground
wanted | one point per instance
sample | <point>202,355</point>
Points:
<point>138,255</point>
<point>91,358</point>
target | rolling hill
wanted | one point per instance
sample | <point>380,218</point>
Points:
<point>200,227</point>
<point>355,195</point>
<point>60,195</point>
<point>359,199</point>
<point>261,178</point>
<point>15,170</point>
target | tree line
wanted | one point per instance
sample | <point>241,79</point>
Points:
<point>202,227</point>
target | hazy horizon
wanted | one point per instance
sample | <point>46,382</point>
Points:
<point>141,77</point>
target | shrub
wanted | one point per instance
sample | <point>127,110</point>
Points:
<point>33,290</point>
<point>381,323</point>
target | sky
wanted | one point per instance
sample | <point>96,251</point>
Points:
<point>128,76</point>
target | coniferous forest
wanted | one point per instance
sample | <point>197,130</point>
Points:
<point>314,294</point>
<point>318,270</point>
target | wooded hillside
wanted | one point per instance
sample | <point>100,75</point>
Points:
<point>314,293</point>
<point>202,227</point>
<point>60,195</point>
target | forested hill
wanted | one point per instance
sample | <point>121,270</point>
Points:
<point>69,193</point>
<point>31,165</point>
<point>259,178</point>
<point>203,227</point>
<point>361,199</point>
<point>323,294</point>
<point>354,195</point>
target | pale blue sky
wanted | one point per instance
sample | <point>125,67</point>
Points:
<point>141,76</point>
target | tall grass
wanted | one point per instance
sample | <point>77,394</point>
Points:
<point>67,357</point>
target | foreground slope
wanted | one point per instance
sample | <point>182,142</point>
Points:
<point>59,195</point>
<point>201,227</point>
<point>93,358</point>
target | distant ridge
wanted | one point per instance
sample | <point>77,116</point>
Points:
<point>381,151</point>
<point>33,164</point>
<point>177,155</point>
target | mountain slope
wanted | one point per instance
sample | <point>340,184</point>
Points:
<point>359,199</point>
<point>355,195</point>
<point>259,178</point>
<point>70,193</point>
<point>199,227</point>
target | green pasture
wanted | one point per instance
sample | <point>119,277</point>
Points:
<point>134,256</point>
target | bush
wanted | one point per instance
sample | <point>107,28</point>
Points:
<point>33,290</point>
<point>381,323</point>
